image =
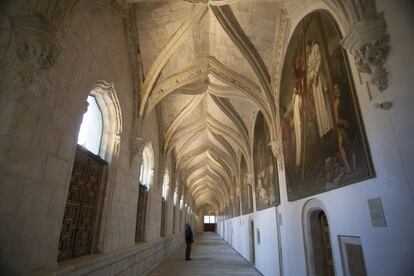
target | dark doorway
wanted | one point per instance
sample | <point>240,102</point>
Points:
<point>141,213</point>
<point>251,242</point>
<point>322,249</point>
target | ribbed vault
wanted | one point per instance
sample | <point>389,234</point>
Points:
<point>210,76</point>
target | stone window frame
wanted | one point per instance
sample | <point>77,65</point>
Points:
<point>147,166</point>
<point>166,184</point>
<point>107,100</point>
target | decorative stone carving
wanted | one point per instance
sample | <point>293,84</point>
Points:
<point>136,146</point>
<point>36,46</point>
<point>250,179</point>
<point>277,152</point>
<point>54,11</point>
<point>368,42</point>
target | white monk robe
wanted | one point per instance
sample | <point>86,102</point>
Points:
<point>297,125</point>
<point>316,78</point>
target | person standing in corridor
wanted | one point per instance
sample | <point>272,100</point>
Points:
<point>188,240</point>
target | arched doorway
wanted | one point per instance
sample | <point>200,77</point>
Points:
<point>322,249</point>
<point>318,249</point>
<point>251,242</point>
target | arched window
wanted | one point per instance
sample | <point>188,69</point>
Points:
<point>165,184</point>
<point>175,196</point>
<point>147,166</point>
<point>181,202</point>
<point>99,134</point>
<point>101,125</point>
<point>90,133</point>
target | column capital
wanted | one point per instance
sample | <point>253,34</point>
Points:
<point>277,152</point>
<point>136,146</point>
<point>368,42</point>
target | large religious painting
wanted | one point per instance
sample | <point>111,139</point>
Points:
<point>236,206</point>
<point>323,137</point>
<point>246,189</point>
<point>265,168</point>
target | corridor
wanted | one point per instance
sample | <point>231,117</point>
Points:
<point>210,256</point>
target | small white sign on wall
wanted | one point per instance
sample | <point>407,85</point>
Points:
<point>376,212</point>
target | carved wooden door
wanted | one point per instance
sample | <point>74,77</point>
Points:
<point>326,246</point>
<point>78,225</point>
<point>163,218</point>
<point>141,213</point>
<point>174,222</point>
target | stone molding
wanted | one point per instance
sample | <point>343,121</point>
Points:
<point>280,49</point>
<point>105,95</point>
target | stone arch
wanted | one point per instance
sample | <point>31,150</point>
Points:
<point>105,95</point>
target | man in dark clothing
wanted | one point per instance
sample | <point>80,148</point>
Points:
<point>188,240</point>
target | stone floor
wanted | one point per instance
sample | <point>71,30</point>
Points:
<point>210,256</point>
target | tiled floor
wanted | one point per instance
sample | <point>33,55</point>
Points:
<point>210,256</point>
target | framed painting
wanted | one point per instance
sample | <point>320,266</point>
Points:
<point>324,141</point>
<point>265,167</point>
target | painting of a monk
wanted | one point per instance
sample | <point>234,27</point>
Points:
<point>322,132</point>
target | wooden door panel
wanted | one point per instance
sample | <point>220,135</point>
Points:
<point>80,211</point>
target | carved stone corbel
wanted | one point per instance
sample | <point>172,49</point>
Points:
<point>250,179</point>
<point>35,45</point>
<point>277,152</point>
<point>368,42</point>
<point>136,146</point>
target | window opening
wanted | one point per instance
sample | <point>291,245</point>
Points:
<point>90,132</point>
<point>147,166</point>
<point>166,184</point>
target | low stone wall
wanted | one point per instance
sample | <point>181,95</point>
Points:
<point>132,261</point>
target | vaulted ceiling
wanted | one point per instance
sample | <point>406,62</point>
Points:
<point>207,64</point>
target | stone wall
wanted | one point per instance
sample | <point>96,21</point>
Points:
<point>43,95</point>
<point>137,260</point>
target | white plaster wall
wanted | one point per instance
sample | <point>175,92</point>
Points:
<point>266,253</point>
<point>239,238</point>
<point>267,256</point>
